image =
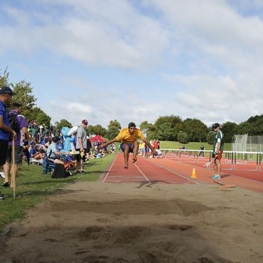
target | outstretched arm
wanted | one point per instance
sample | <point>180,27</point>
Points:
<point>107,143</point>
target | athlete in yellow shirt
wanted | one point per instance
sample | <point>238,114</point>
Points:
<point>129,142</point>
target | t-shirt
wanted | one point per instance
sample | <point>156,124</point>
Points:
<point>125,136</point>
<point>21,123</point>
<point>52,147</point>
<point>219,137</point>
<point>81,133</point>
<point>4,135</point>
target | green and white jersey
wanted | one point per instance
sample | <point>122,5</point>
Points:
<point>219,138</point>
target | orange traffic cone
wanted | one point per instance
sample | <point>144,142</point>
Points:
<point>193,175</point>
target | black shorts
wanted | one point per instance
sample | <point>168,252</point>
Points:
<point>3,151</point>
<point>79,157</point>
<point>18,154</point>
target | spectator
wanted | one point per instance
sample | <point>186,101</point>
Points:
<point>89,146</point>
<point>142,149</point>
<point>201,151</point>
<point>81,146</point>
<point>53,152</point>
<point>159,153</point>
<point>5,98</point>
<point>22,132</point>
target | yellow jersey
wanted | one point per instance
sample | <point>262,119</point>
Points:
<point>125,136</point>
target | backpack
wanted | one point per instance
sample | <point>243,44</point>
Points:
<point>13,123</point>
<point>60,172</point>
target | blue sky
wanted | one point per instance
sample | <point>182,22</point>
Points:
<point>131,60</point>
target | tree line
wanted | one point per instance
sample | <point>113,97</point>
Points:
<point>165,128</point>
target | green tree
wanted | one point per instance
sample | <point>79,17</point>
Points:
<point>23,95</point>
<point>182,137</point>
<point>147,129</point>
<point>4,78</point>
<point>167,128</point>
<point>114,123</point>
<point>196,130</point>
<point>229,130</point>
<point>210,137</point>
<point>62,123</point>
<point>40,117</point>
<point>97,129</point>
<point>112,132</point>
<point>114,128</point>
<point>256,125</point>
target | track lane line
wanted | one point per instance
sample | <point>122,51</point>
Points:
<point>107,174</point>
<point>146,178</point>
<point>173,172</point>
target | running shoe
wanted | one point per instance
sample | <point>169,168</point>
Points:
<point>216,176</point>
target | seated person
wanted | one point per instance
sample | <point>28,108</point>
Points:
<point>39,155</point>
<point>32,151</point>
<point>53,152</point>
<point>159,153</point>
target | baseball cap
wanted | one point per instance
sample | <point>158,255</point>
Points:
<point>6,90</point>
<point>85,122</point>
<point>215,125</point>
<point>132,124</point>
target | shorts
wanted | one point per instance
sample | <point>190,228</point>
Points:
<point>79,157</point>
<point>3,151</point>
<point>218,156</point>
<point>130,147</point>
<point>18,154</point>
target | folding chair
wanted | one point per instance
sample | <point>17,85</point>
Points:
<point>47,165</point>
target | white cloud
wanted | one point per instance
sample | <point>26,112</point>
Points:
<point>137,60</point>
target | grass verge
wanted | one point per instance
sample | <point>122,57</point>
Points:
<point>33,186</point>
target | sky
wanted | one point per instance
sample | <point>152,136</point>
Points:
<point>136,60</point>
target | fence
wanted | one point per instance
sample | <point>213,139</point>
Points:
<point>232,160</point>
<point>247,143</point>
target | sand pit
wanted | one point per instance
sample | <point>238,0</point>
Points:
<point>140,223</point>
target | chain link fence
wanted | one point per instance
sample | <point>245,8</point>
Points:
<point>245,143</point>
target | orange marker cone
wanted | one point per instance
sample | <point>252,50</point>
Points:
<point>193,175</point>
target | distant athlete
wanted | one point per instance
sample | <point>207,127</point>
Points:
<point>129,142</point>
<point>218,148</point>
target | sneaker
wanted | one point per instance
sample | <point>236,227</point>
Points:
<point>83,172</point>
<point>2,174</point>
<point>216,176</point>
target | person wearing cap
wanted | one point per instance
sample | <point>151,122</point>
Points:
<point>22,132</point>
<point>81,146</point>
<point>129,142</point>
<point>5,98</point>
<point>218,148</point>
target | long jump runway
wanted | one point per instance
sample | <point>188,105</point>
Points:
<point>166,170</point>
<point>143,171</point>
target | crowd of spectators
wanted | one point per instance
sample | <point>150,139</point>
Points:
<point>145,151</point>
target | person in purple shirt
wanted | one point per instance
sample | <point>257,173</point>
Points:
<point>22,135</point>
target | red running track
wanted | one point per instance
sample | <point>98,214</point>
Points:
<point>143,171</point>
<point>167,170</point>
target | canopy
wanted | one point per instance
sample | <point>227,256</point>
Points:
<point>97,138</point>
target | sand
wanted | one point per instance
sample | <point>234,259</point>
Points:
<point>139,223</point>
